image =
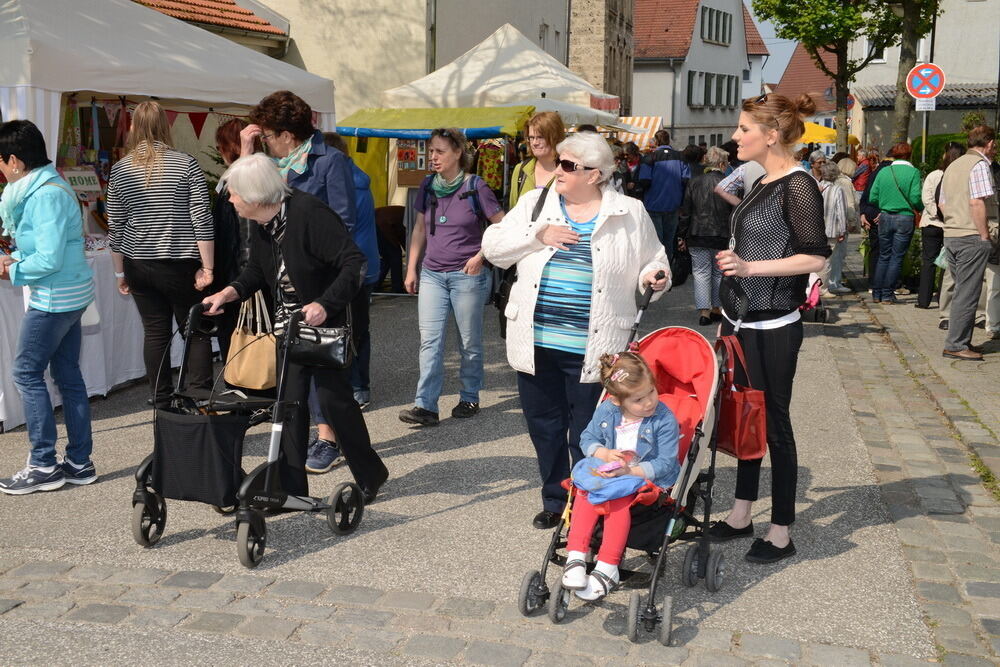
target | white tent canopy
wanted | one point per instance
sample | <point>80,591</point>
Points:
<point>506,68</point>
<point>50,47</point>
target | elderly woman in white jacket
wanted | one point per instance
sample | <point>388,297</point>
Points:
<point>579,264</point>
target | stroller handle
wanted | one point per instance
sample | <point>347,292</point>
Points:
<point>647,296</point>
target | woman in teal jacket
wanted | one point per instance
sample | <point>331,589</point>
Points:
<point>41,214</point>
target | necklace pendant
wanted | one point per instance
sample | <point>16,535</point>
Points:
<point>443,219</point>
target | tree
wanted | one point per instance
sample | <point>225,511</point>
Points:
<point>915,22</point>
<point>830,26</point>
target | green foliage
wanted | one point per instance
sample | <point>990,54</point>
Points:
<point>972,119</point>
<point>935,148</point>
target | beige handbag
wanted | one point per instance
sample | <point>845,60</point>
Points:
<point>252,352</point>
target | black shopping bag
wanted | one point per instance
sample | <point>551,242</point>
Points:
<point>198,457</point>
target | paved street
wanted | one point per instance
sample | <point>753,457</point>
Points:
<point>898,538</point>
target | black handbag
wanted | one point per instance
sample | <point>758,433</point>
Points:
<point>321,347</point>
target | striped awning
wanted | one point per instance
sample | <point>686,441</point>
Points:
<point>649,126</point>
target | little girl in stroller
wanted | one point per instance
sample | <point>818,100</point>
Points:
<point>631,444</point>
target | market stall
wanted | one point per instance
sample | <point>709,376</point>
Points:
<point>77,70</point>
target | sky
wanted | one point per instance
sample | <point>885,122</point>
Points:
<point>781,50</point>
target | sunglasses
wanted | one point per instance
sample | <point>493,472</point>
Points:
<point>569,165</point>
<point>761,100</point>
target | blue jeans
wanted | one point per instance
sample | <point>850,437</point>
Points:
<point>52,340</point>
<point>665,223</point>
<point>443,293</point>
<point>894,234</point>
<point>707,278</point>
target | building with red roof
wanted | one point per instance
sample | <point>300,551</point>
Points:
<point>260,28</point>
<point>693,59</point>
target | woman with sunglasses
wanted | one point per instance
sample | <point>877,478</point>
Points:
<point>579,263</point>
<point>445,265</point>
<point>778,239</point>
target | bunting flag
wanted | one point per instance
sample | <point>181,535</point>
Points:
<point>171,117</point>
<point>111,109</point>
<point>198,121</point>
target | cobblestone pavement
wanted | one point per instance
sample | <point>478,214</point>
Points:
<point>898,560</point>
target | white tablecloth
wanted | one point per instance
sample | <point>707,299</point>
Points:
<point>111,353</point>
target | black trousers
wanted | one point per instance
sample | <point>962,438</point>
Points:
<point>932,240</point>
<point>163,290</point>
<point>557,408</point>
<point>342,413</point>
<point>772,356</point>
<point>391,256</point>
<point>872,252</point>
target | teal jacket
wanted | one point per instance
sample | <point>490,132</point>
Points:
<point>48,232</point>
<point>900,200</point>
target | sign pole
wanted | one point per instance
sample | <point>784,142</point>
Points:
<point>923,143</point>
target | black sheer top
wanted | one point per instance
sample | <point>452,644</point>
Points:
<point>774,221</point>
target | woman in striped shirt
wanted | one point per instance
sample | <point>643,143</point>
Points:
<point>41,214</point>
<point>161,234</point>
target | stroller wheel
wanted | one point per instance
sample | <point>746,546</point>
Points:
<point>632,620</point>
<point>667,621</point>
<point>250,543</point>
<point>689,572</point>
<point>823,315</point>
<point>559,602</point>
<point>225,511</point>
<point>716,571</point>
<point>347,506</point>
<point>530,599</point>
<point>148,523</point>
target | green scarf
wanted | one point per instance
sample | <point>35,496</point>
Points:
<point>297,160</point>
<point>443,188</point>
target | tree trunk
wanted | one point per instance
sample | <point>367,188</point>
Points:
<point>842,86</point>
<point>907,59</point>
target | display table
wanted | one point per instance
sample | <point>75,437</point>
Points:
<point>112,349</point>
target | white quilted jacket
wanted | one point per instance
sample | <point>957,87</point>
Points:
<point>624,248</point>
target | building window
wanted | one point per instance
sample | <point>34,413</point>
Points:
<point>690,140</point>
<point>877,50</point>
<point>708,101</point>
<point>721,83</point>
<point>716,26</point>
<point>692,78</point>
<point>701,139</point>
<point>923,50</point>
<point>746,73</point>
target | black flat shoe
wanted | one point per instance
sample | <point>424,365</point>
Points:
<point>943,325</point>
<point>546,520</point>
<point>704,321</point>
<point>762,551</point>
<point>720,531</point>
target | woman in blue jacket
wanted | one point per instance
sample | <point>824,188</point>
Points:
<point>41,214</point>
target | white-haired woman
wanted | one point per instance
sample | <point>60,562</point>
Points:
<point>302,253</point>
<point>579,264</point>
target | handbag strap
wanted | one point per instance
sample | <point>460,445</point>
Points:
<point>263,318</point>
<point>734,355</point>
<point>893,174</point>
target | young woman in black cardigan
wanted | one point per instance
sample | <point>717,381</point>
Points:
<point>778,239</point>
<point>301,252</point>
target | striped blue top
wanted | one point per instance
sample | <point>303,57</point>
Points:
<point>62,299</point>
<point>562,312</point>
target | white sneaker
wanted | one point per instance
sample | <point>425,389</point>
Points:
<point>575,573</point>
<point>599,584</point>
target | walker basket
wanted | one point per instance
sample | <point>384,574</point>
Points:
<point>198,457</point>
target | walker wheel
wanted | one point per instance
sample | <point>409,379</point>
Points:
<point>716,571</point>
<point>147,524</point>
<point>530,599</point>
<point>689,572</point>
<point>632,621</point>
<point>823,316</point>
<point>250,544</point>
<point>225,511</point>
<point>667,621</point>
<point>559,602</point>
<point>347,506</point>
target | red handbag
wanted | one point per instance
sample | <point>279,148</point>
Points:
<point>742,429</point>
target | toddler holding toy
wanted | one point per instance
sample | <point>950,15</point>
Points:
<point>631,438</point>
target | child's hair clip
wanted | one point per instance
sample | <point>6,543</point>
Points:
<point>619,375</point>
